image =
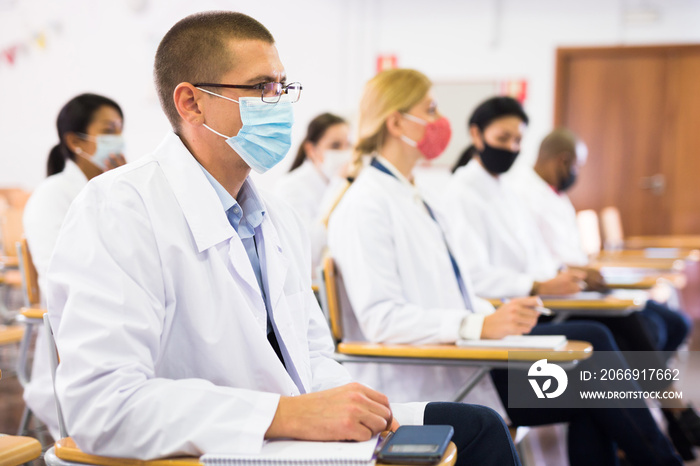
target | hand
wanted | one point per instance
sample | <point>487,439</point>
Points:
<point>595,280</point>
<point>567,282</point>
<point>114,161</point>
<point>516,317</point>
<point>350,412</point>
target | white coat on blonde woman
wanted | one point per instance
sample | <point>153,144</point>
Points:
<point>160,321</point>
<point>402,286</point>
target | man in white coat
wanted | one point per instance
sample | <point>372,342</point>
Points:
<point>181,298</point>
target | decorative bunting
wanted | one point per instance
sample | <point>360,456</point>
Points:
<point>36,41</point>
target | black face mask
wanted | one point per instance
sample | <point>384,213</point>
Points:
<point>497,161</point>
<point>568,182</point>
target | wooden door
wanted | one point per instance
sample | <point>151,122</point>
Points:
<point>638,109</point>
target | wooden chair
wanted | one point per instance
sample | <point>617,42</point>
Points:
<point>484,359</point>
<point>31,316</point>
<point>18,450</point>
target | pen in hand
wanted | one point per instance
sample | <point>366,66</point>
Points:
<point>541,309</point>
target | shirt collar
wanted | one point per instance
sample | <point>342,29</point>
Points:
<point>246,214</point>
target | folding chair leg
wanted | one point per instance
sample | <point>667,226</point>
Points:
<point>471,383</point>
<point>24,422</point>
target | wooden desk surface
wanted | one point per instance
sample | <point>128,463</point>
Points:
<point>573,351</point>
<point>11,277</point>
<point>609,302</point>
<point>660,264</point>
<point>641,281</point>
<point>18,450</point>
<point>617,301</point>
<point>9,262</point>
<point>67,450</point>
<point>663,241</point>
<point>11,334</point>
<point>652,253</point>
<point>33,312</point>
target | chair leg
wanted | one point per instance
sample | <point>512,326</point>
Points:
<point>24,422</point>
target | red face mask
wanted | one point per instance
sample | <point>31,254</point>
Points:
<point>435,139</point>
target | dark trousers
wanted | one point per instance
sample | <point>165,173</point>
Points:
<point>596,434</point>
<point>480,434</point>
<point>667,328</point>
<point>655,329</point>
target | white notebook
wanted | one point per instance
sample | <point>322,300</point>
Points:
<point>520,341</point>
<point>298,453</point>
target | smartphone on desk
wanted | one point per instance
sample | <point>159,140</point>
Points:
<point>416,445</point>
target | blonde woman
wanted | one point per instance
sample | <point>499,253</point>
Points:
<point>404,280</point>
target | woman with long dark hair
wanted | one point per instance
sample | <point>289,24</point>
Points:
<point>90,142</point>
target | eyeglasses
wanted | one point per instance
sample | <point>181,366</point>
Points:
<point>270,93</point>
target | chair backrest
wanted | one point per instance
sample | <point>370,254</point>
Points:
<point>613,238</point>
<point>15,197</point>
<point>53,360</point>
<point>332,297</point>
<point>30,278</point>
<point>10,229</point>
<point>589,230</point>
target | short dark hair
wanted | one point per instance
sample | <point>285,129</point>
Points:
<point>195,49</point>
<point>495,108</point>
<point>75,117</point>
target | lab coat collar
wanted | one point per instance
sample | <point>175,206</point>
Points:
<point>394,171</point>
<point>73,172</point>
<point>195,195</point>
<point>474,176</point>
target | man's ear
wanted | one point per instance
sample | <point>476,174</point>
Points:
<point>477,137</point>
<point>394,124</point>
<point>187,102</point>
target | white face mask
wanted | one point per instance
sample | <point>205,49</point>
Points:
<point>106,145</point>
<point>334,160</point>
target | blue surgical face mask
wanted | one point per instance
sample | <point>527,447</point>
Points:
<point>266,135</point>
<point>106,145</point>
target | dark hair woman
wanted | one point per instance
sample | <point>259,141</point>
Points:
<point>90,142</point>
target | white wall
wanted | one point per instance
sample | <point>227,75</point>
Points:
<point>107,46</point>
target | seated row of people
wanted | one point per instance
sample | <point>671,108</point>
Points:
<point>181,297</point>
<point>165,268</point>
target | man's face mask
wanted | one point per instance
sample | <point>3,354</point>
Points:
<point>435,139</point>
<point>568,180</point>
<point>497,161</point>
<point>266,134</point>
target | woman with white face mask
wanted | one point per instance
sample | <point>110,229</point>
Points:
<point>317,176</point>
<point>90,142</point>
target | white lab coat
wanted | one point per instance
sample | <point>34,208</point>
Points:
<point>401,287</point>
<point>505,252</point>
<point>43,217</point>
<point>311,195</point>
<point>159,319</point>
<point>554,214</point>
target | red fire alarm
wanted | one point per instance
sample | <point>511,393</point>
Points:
<point>515,88</point>
<point>386,62</point>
